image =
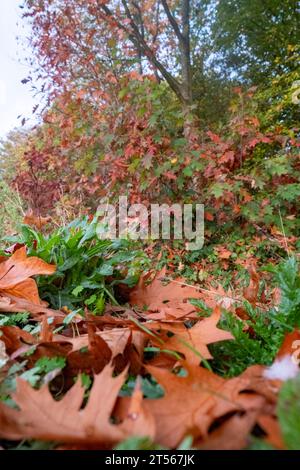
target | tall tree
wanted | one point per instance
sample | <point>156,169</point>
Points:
<point>254,38</point>
<point>83,38</point>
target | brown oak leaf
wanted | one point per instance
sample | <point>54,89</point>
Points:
<point>41,417</point>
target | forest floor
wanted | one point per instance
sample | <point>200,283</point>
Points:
<point>183,353</point>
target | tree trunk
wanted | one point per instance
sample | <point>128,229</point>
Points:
<point>185,54</point>
<point>182,88</point>
<point>186,72</point>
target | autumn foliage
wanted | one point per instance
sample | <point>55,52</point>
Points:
<point>198,403</point>
<point>105,343</point>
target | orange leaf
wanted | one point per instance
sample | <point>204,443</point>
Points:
<point>251,292</point>
<point>27,290</point>
<point>117,340</point>
<point>9,303</point>
<point>223,253</point>
<point>35,220</point>
<point>192,403</point>
<point>18,268</point>
<point>271,427</point>
<point>209,216</point>
<point>12,336</point>
<point>231,435</point>
<point>41,417</point>
<point>169,299</point>
<point>192,342</point>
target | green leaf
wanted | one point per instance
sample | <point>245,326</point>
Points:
<point>48,364</point>
<point>218,189</point>
<point>91,300</point>
<point>106,270</point>
<point>188,171</point>
<point>123,92</point>
<point>289,192</point>
<point>70,317</point>
<point>86,380</point>
<point>100,305</point>
<point>77,290</point>
<point>277,166</point>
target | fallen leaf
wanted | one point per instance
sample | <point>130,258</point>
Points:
<point>222,252</point>
<point>14,338</point>
<point>41,417</point>
<point>167,299</point>
<point>251,292</point>
<point>16,282</point>
<point>290,344</point>
<point>10,303</point>
<point>116,339</point>
<point>259,384</point>
<point>92,360</point>
<point>46,334</point>
<point>271,427</point>
<point>231,435</point>
<point>18,268</point>
<point>192,342</point>
<point>192,403</point>
<point>35,220</point>
<point>26,290</point>
<point>223,298</point>
<point>11,250</point>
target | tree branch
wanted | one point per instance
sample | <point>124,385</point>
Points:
<point>137,40</point>
<point>172,21</point>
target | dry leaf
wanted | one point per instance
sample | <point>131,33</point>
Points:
<point>251,292</point>
<point>46,334</point>
<point>41,417</point>
<point>26,290</point>
<point>192,342</point>
<point>93,360</point>
<point>168,299</point>
<point>271,427</point>
<point>18,268</point>
<point>231,435</point>
<point>290,344</point>
<point>35,220</point>
<point>222,252</point>
<point>14,338</point>
<point>116,339</point>
<point>191,404</point>
<point>15,304</point>
<point>18,292</point>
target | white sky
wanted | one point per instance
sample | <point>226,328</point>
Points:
<point>15,98</point>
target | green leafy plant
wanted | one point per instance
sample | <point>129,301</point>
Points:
<point>88,269</point>
<point>267,329</point>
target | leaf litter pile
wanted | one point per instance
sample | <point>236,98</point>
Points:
<point>98,351</point>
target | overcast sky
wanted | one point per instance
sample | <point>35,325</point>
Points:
<point>15,98</point>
